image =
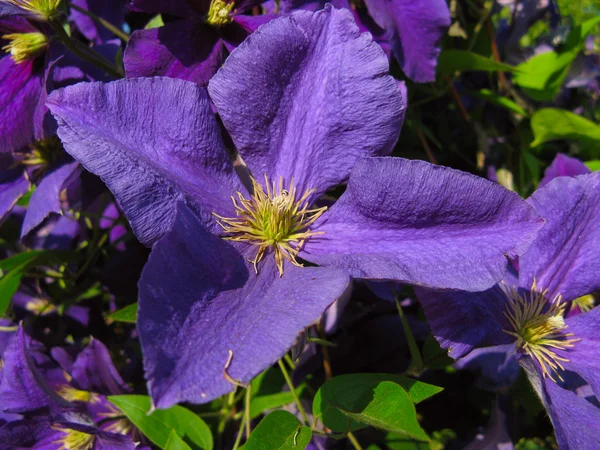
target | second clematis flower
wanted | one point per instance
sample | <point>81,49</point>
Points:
<point>309,106</point>
<point>558,351</point>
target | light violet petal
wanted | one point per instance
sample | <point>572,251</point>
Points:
<point>201,304</point>
<point>154,142</point>
<point>305,96</point>
<point>415,222</point>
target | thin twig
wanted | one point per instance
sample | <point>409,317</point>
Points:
<point>425,145</point>
<point>293,391</point>
<point>109,26</point>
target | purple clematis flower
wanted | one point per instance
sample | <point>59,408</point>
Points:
<point>563,166</point>
<point>308,104</point>
<point>558,271</point>
<point>209,29</point>
<point>410,30</point>
<point>58,407</point>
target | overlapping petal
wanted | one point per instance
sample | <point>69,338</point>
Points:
<point>563,166</point>
<point>204,312</point>
<point>564,257</point>
<point>414,222</point>
<point>154,142</point>
<point>305,96</point>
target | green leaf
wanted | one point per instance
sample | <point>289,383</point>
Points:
<point>9,284</point>
<point>594,166</point>
<point>155,22</point>
<point>267,392</point>
<point>159,425</point>
<point>549,124</point>
<point>451,61</point>
<point>353,392</point>
<point>127,314</point>
<point>176,443</point>
<point>280,430</point>
<point>387,407</point>
<point>499,100</point>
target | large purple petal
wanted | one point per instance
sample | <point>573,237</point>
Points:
<point>154,142</point>
<point>414,222</point>
<point>21,88</point>
<point>158,52</point>
<point>564,258</point>
<point>463,321</point>
<point>13,184</point>
<point>497,366</point>
<point>305,96</point>
<point>414,29</point>
<point>200,300</point>
<point>93,370</point>
<point>113,11</point>
<point>563,166</point>
<point>45,199</point>
<point>576,421</point>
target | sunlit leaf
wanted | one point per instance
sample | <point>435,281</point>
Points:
<point>127,314</point>
<point>451,61</point>
<point>280,430</point>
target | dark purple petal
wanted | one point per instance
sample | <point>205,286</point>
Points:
<point>13,184</point>
<point>415,222</point>
<point>497,366</point>
<point>563,166</point>
<point>22,434</point>
<point>414,29</point>
<point>251,23</point>
<point>284,123</point>
<point>93,370</point>
<point>154,142</point>
<point>45,199</point>
<point>576,421</point>
<point>462,321</point>
<point>179,8</point>
<point>564,258</point>
<point>200,300</point>
<point>113,11</point>
<point>158,52</point>
<point>21,89</point>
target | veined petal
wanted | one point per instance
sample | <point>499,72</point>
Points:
<point>305,96</point>
<point>414,28</point>
<point>158,52</point>
<point>154,142</point>
<point>205,315</point>
<point>414,222</point>
<point>564,257</point>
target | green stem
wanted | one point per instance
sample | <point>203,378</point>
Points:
<point>354,441</point>
<point>293,391</point>
<point>109,26</point>
<point>245,419</point>
<point>82,51</point>
<point>416,360</point>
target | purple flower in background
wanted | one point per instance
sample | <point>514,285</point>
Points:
<point>563,166</point>
<point>307,102</point>
<point>194,46</point>
<point>59,406</point>
<point>410,30</point>
<point>561,266</point>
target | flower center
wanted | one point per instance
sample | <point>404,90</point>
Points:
<point>585,303</point>
<point>25,46</point>
<point>275,220</point>
<point>73,439</point>
<point>43,152</point>
<point>41,10</point>
<point>40,306</point>
<point>539,327</point>
<point>219,13</point>
<point>76,395</point>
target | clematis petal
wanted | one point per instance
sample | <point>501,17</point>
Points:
<point>563,166</point>
<point>462,321</point>
<point>576,421</point>
<point>202,303</point>
<point>295,126</point>
<point>564,258</point>
<point>414,29</point>
<point>497,366</point>
<point>154,142</point>
<point>158,52</point>
<point>178,8</point>
<point>414,222</point>
<point>112,11</point>
<point>13,184</point>
<point>45,199</point>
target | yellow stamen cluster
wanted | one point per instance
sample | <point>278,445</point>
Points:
<point>41,10</point>
<point>43,152</point>
<point>73,439</point>
<point>40,306</point>
<point>25,46</point>
<point>585,303</point>
<point>539,327</point>
<point>275,220</point>
<point>76,395</point>
<point>219,13</point>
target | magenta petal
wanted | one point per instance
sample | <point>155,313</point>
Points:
<point>201,301</point>
<point>414,222</point>
<point>564,258</point>
<point>563,166</point>
<point>414,28</point>
<point>158,52</point>
<point>154,142</point>
<point>305,96</point>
